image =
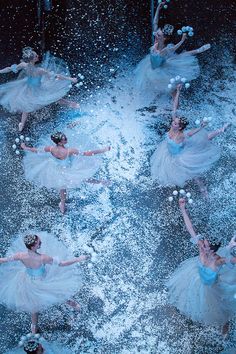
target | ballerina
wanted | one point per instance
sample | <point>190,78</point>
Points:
<point>182,156</point>
<point>33,281</point>
<point>37,86</point>
<point>203,288</point>
<point>153,73</point>
<point>60,168</point>
<point>35,344</point>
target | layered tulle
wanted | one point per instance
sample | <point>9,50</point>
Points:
<point>44,170</point>
<point>208,304</point>
<point>34,90</point>
<point>151,82</point>
<point>196,156</point>
<point>21,292</point>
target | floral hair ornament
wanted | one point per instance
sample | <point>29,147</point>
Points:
<point>30,239</point>
<point>168,30</point>
<point>27,52</point>
<point>30,342</point>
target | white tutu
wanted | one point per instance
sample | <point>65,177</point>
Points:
<point>150,81</point>
<point>172,164</point>
<point>21,292</point>
<point>34,90</point>
<point>43,169</point>
<point>49,348</point>
<point>209,304</point>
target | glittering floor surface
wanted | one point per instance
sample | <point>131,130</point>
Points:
<point>137,234</point>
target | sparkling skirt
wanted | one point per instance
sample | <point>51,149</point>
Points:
<point>21,292</point>
<point>197,156</point>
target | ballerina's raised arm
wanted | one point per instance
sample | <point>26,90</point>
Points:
<point>156,17</point>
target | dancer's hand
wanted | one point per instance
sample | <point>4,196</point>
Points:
<point>108,148</point>
<point>182,203</point>
<point>161,4</point>
<point>204,124</point>
<point>83,258</point>
<point>74,80</point>
<point>184,36</point>
<point>23,146</point>
<point>179,87</point>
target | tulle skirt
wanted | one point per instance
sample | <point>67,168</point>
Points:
<point>49,348</point>
<point>196,157</point>
<point>44,170</point>
<point>30,94</point>
<point>153,82</point>
<point>208,304</point>
<point>20,292</point>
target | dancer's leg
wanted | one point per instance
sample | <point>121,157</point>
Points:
<point>71,104</point>
<point>24,117</point>
<point>217,132</point>
<point>62,204</point>
<point>34,325</point>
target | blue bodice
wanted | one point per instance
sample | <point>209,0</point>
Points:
<point>36,272</point>
<point>173,147</point>
<point>207,275</point>
<point>34,81</point>
<point>156,60</point>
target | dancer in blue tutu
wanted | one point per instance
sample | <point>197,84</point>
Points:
<point>204,288</point>
<point>154,72</point>
<point>35,344</point>
<point>62,168</point>
<point>33,281</point>
<point>182,155</point>
<point>36,86</point>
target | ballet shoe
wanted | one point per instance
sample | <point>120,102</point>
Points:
<point>203,48</point>
<point>33,328</point>
<point>21,127</point>
<point>62,208</point>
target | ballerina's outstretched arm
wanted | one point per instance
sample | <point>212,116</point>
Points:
<point>196,239</point>
<point>14,257</point>
<point>28,148</point>
<point>72,261</point>
<point>175,47</point>
<point>13,68</point>
<point>219,131</point>
<point>49,260</point>
<point>62,77</point>
<point>176,96</point>
<point>89,152</point>
<point>156,17</point>
<point>196,130</point>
